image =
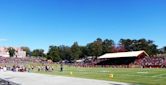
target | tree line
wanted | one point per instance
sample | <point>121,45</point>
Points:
<point>94,49</point>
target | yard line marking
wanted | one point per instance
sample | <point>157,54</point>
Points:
<point>145,76</point>
<point>160,75</point>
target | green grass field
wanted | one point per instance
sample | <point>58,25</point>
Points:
<point>136,76</point>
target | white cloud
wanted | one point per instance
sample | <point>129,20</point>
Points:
<point>3,40</point>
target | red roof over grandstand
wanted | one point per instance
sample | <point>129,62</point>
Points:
<point>123,54</point>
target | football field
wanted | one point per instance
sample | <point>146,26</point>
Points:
<point>97,75</point>
<point>139,76</point>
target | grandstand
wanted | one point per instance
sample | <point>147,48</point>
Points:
<point>121,58</point>
<point>131,59</point>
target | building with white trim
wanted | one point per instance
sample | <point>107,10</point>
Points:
<point>19,53</point>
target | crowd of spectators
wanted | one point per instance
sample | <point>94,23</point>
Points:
<point>153,62</point>
<point>146,62</point>
<point>20,64</point>
<point>24,64</point>
<point>27,60</point>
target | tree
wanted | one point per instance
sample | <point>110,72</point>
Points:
<point>53,54</point>
<point>164,49</point>
<point>141,44</point>
<point>11,51</point>
<point>107,46</point>
<point>76,51</point>
<point>27,50</point>
<point>65,53</point>
<point>127,44</point>
<point>84,51</point>
<point>96,48</point>
<point>38,53</point>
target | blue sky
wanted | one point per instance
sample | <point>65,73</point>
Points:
<point>40,23</point>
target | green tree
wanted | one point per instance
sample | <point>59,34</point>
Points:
<point>11,51</point>
<point>65,53</point>
<point>127,44</point>
<point>108,45</point>
<point>27,50</point>
<point>84,51</point>
<point>141,44</point>
<point>96,48</point>
<point>53,54</point>
<point>76,51</point>
<point>164,48</point>
<point>38,53</point>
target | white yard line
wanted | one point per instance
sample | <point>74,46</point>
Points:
<point>160,75</point>
<point>157,76</point>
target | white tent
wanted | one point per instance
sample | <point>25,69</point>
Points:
<point>123,54</point>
